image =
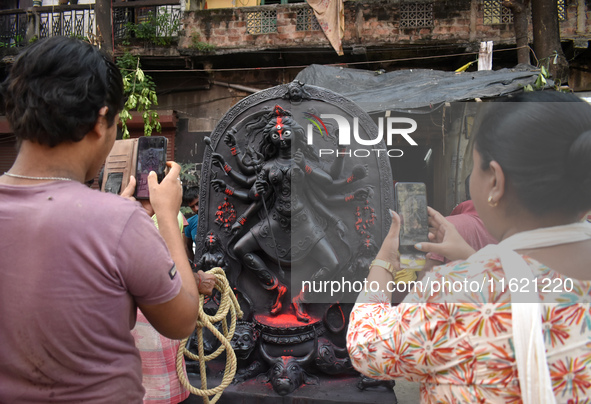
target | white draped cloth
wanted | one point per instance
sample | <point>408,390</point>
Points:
<point>530,354</point>
<point>331,17</point>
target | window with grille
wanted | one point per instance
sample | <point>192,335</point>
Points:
<point>13,29</point>
<point>416,15</point>
<point>561,4</point>
<point>496,13</point>
<point>144,14</point>
<point>172,15</point>
<point>261,22</point>
<point>121,16</point>
<point>306,20</point>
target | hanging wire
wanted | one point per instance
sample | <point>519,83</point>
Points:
<point>239,69</point>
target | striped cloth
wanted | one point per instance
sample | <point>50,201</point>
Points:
<point>158,355</point>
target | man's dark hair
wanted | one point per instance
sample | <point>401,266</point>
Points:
<point>55,89</point>
<point>542,141</point>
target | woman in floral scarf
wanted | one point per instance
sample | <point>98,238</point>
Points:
<point>472,339</point>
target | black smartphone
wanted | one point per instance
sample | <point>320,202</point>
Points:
<point>411,205</point>
<point>151,156</point>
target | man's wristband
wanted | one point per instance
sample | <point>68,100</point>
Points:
<point>386,265</point>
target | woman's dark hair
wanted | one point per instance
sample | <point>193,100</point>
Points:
<point>56,88</point>
<point>542,141</point>
<point>467,187</point>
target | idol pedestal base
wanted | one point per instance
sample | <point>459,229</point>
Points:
<point>330,390</point>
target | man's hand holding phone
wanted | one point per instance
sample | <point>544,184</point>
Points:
<point>129,190</point>
<point>166,196</point>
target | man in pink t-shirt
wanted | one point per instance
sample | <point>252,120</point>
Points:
<point>75,263</point>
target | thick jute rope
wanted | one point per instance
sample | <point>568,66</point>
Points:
<point>228,303</point>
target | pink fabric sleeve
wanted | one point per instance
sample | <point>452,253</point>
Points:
<point>147,268</point>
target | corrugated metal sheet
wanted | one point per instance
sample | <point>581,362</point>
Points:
<point>413,89</point>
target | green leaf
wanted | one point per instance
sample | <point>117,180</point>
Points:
<point>125,132</point>
<point>131,102</point>
<point>543,80</point>
<point>124,115</point>
<point>544,71</point>
<point>138,87</point>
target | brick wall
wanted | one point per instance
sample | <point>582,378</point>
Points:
<point>168,121</point>
<point>375,23</point>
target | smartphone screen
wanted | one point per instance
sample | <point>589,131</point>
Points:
<point>151,156</point>
<point>411,205</point>
<point>113,183</point>
<point>120,164</point>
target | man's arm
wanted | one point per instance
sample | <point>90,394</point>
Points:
<point>175,319</point>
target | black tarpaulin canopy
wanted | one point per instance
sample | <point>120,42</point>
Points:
<point>417,88</point>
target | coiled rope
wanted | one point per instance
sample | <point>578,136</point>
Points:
<point>228,303</point>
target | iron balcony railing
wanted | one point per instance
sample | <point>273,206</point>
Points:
<point>142,18</point>
<point>13,28</point>
<point>18,27</point>
<point>74,20</point>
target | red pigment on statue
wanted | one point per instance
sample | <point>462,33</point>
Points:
<point>283,320</point>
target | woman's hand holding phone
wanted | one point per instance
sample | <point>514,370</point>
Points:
<point>445,239</point>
